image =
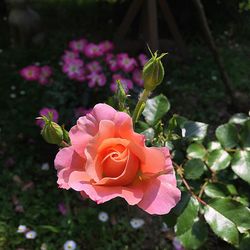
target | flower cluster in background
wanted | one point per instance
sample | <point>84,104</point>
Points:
<point>41,74</point>
<point>95,65</point>
<point>86,67</point>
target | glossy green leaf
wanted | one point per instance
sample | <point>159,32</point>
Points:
<point>232,189</point>
<point>227,135</point>
<point>194,168</point>
<point>194,130</point>
<point>215,190</point>
<point>234,211</point>
<point>221,226</point>
<point>196,150</point>
<point>155,109</point>
<point>245,243</point>
<point>218,159</point>
<point>121,96</point>
<point>149,134</point>
<point>213,145</point>
<point>241,164</point>
<point>245,135</point>
<point>186,219</point>
<point>196,236</point>
<point>239,118</point>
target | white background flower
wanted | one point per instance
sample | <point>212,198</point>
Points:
<point>31,235</point>
<point>45,166</point>
<point>137,223</point>
<point>21,229</point>
<point>103,216</point>
<point>69,245</point>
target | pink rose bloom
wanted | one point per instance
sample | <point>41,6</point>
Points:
<point>69,55</point>
<point>143,59</point>
<point>126,63</point>
<point>112,62</point>
<point>94,66</point>
<point>106,46</point>
<point>30,73</point>
<point>45,112</point>
<point>137,77</point>
<point>81,111</point>
<point>96,79</point>
<point>107,159</point>
<point>93,50</point>
<point>74,68</point>
<point>78,45</point>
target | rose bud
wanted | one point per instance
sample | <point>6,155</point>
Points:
<point>153,72</point>
<point>65,135</point>
<point>52,132</point>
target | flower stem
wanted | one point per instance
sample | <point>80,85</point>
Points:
<point>179,170</point>
<point>140,105</point>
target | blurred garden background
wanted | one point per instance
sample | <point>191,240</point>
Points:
<point>195,85</point>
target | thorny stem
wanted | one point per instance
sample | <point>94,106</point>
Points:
<point>179,170</point>
<point>202,189</point>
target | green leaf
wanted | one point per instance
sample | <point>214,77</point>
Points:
<point>155,109</point>
<point>221,226</point>
<point>245,243</point>
<point>50,228</point>
<point>227,135</point>
<point>149,134</point>
<point>239,118</point>
<point>213,145</point>
<point>215,190</point>
<point>218,159</point>
<point>232,189</point>
<point>241,164</point>
<point>195,236</point>
<point>194,130</point>
<point>245,135</point>
<point>234,211</point>
<point>196,150</point>
<point>121,97</point>
<point>186,220</point>
<point>194,168</point>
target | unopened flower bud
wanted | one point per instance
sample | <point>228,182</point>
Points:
<point>66,137</point>
<point>52,132</point>
<point>153,72</point>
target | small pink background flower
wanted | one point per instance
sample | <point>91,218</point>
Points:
<point>78,45</point>
<point>93,50</point>
<point>30,73</point>
<point>45,112</point>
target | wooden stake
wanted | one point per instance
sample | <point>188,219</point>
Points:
<point>218,59</point>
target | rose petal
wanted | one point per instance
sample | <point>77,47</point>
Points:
<point>101,194</point>
<point>128,175</point>
<point>159,196</point>
<point>155,160</point>
<point>67,160</point>
<point>79,139</point>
